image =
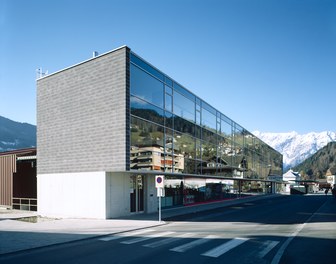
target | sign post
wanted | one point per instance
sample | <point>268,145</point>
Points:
<point>159,184</point>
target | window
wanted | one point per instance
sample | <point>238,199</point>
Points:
<point>146,110</point>
<point>146,67</point>
<point>146,87</point>
<point>184,107</point>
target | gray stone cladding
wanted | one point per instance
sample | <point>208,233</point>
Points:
<point>83,116</point>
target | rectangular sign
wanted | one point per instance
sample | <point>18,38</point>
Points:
<point>160,192</point>
<point>159,181</point>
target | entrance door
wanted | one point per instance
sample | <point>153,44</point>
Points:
<point>136,193</point>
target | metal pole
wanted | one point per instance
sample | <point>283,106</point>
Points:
<point>160,193</point>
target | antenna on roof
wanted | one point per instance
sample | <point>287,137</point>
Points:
<point>40,73</point>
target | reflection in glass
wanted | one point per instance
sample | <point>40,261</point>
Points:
<point>186,135</point>
<point>146,87</point>
<point>151,149</point>
<point>208,120</point>
<point>146,110</point>
<point>142,64</point>
<point>184,107</point>
<point>184,126</point>
<point>168,102</point>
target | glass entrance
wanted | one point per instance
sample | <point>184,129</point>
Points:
<point>136,193</point>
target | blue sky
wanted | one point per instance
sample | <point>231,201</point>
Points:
<point>270,65</point>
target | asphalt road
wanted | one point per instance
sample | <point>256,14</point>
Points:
<point>288,229</point>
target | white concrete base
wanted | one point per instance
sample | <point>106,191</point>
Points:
<point>72,195</point>
<point>97,195</point>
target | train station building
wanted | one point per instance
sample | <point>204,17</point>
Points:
<point>107,126</point>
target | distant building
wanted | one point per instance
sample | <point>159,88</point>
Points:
<point>18,179</point>
<point>107,126</point>
<point>331,176</point>
<point>292,178</point>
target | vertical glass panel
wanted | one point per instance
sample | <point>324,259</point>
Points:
<point>209,157</point>
<point>169,90</point>
<point>184,126</point>
<point>146,87</point>
<point>183,91</point>
<point>184,107</point>
<point>198,117</point>
<point>169,81</point>
<point>209,136</point>
<point>209,120</point>
<point>198,149</point>
<point>226,129</point>
<point>169,120</point>
<point>174,189</point>
<point>146,145</point>
<point>195,190</point>
<point>226,153</point>
<point>198,132</point>
<point>184,145</point>
<point>169,103</point>
<point>144,65</point>
<point>190,166</point>
<point>146,110</point>
<point>169,151</point>
<point>238,135</point>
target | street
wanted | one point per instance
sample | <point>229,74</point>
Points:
<point>287,229</point>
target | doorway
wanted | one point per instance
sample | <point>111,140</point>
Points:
<point>136,193</point>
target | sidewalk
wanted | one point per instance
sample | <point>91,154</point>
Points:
<point>17,235</point>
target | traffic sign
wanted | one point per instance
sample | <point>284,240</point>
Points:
<point>159,181</point>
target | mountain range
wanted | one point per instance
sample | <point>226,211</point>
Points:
<point>15,135</point>
<point>317,165</point>
<point>296,147</point>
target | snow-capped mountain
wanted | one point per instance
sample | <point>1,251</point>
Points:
<point>294,147</point>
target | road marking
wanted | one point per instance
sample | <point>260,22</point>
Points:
<point>220,250</point>
<point>282,249</point>
<point>121,235</point>
<point>168,240</point>
<point>140,239</point>
<point>269,245</point>
<point>192,244</point>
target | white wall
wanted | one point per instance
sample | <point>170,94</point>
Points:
<point>72,195</point>
<point>151,200</point>
<point>117,194</point>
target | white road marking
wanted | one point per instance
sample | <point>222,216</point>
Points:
<point>192,244</point>
<point>168,240</point>
<point>131,233</point>
<point>282,249</point>
<point>140,239</point>
<point>269,245</point>
<point>220,250</point>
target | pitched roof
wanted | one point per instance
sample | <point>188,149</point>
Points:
<point>331,171</point>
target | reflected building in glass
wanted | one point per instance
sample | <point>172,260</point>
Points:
<point>178,132</point>
<point>151,125</point>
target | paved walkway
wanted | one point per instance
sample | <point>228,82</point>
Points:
<point>17,235</point>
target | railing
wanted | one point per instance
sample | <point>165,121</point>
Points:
<point>28,204</point>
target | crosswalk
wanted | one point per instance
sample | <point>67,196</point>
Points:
<point>183,242</point>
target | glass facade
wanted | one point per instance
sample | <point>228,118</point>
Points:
<point>174,131</point>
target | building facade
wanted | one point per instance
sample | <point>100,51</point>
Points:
<point>107,126</point>
<point>18,179</point>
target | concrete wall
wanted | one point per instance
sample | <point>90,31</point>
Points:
<point>83,116</point>
<point>75,195</point>
<point>151,200</point>
<point>117,194</point>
